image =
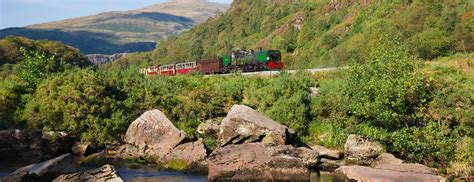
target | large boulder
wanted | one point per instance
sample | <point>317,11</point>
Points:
<point>258,161</point>
<point>45,171</point>
<point>106,173</point>
<point>327,153</point>
<point>386,158</point>
<point>408,167</point>
<point>361,150</point>
<point>192,157</point>
<point>152,136</point>
<point>362,173</point>
<point>245,125</point>
<point>329,165</point>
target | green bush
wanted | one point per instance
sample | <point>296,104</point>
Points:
<point>78,103</point>
<point>432,145</point>
<point>36,66</point>
<point>9,101</point>
<point>284,99</point>
<point>389,90</point>
<point>432,43</point>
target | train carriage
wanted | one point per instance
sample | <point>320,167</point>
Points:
<point>210,66</point>
<point>185,68</point>
<point>168,70</point>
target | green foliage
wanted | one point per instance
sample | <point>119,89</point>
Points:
<point>389,90</point>
<point>331,132</point>
<point>66,56</point>
<point>210,143</point>
<point>331,34</point>
<point>432,43</point>
<point>9,101</point>
<point>35,67</point>
<point>77,102</point>
<point>464,158</point>
<point>453,101</point>
<point>24,65</point>
<point>285,100</point>
<point>422,114</point>
<point>429,108</point>
<point>433,144</point>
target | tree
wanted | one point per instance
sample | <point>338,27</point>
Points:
<point>389,90</point>
<point>35,66</point>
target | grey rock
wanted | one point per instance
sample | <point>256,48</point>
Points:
<point>328,153</point>
<point>329,165</point>
<point>362,150</point>
<point>260,162</point>
<point>45,171</point>
<point>245,125</point>
<point>365,174</point>
<point>386,158</point>
<point>152,136</point>
<point>99,59</point>
<point>194,153</point>
<point>106,173</point>
<point>408,167</point>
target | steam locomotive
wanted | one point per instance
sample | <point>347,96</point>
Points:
<point>244,61</point>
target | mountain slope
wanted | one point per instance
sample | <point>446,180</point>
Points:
<point>138,27</point>
<point>327,33</point>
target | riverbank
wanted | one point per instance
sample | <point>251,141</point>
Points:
<point>249,146</point>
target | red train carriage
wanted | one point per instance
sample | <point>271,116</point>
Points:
<point>167,70</point>
<point>185,68</point>
<point>210,66</point>
<point>151,71</point>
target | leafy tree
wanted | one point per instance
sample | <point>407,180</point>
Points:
<point>35,67</point>
<point>388,91</point>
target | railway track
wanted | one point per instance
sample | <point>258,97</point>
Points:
<point>271,73</point>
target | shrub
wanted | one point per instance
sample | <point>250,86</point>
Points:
<point>35,66</point>
<point>284,99</point>
<point>432,43</point>
<point>389,90</point>
<point>432,145</point>
<point>77,102</point>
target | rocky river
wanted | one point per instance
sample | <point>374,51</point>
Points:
<point>249,147</point>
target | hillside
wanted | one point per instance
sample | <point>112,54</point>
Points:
<point>327,33</point>
<point>127,31</point>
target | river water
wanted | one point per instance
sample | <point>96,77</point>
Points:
<point>145,175</point>
<point>128,174</point>
<point>152,174</point>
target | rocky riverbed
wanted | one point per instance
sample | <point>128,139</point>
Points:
<point>250,146</point>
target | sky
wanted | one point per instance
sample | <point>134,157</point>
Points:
<point>19,13</point>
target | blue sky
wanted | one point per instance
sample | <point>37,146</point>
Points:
<point>18,13</point>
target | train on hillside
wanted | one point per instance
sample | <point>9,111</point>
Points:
<point>243,61</point>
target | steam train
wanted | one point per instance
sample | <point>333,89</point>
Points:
<point>244,61</point>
